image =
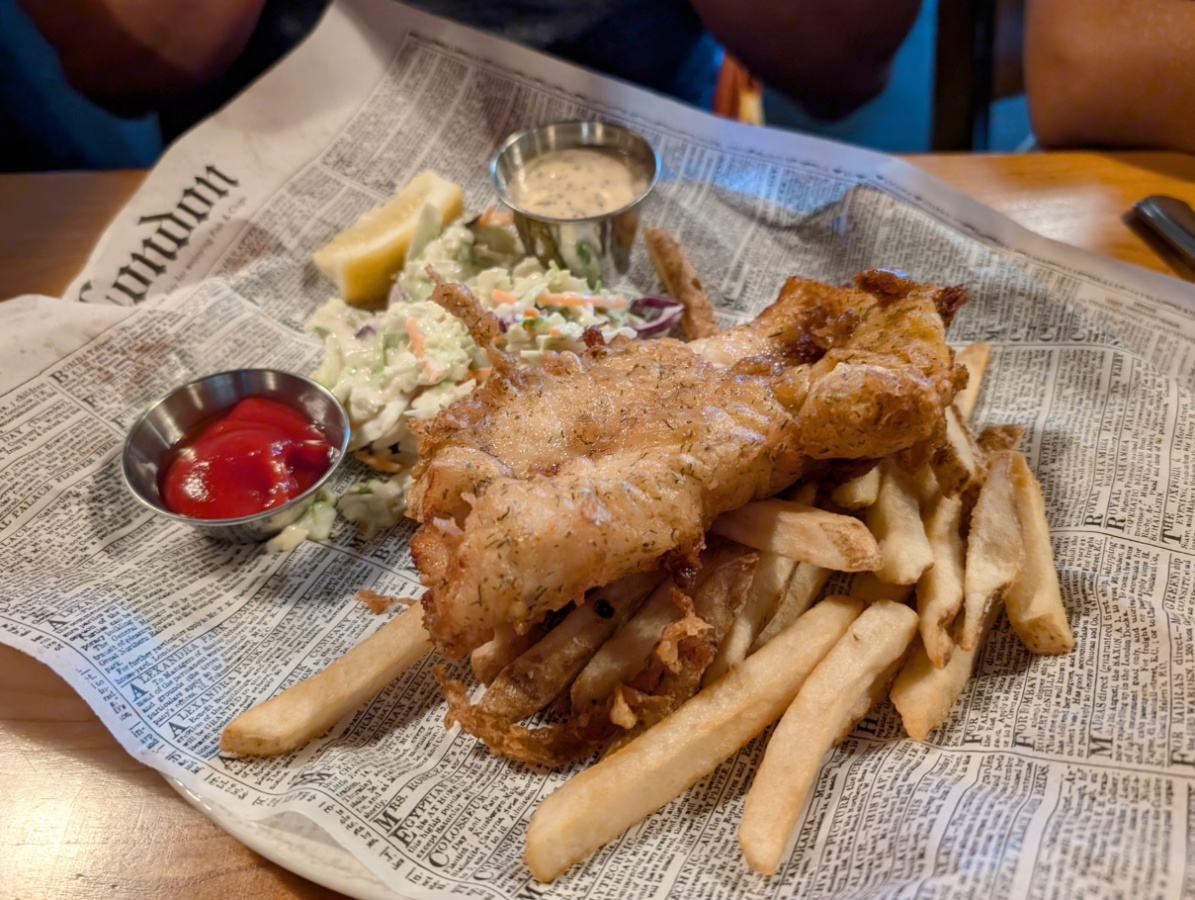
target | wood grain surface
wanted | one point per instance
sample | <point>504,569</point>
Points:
<point>50,222</point>
<point>1080,198</point>
<point>79,818</point>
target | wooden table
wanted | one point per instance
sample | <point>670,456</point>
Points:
<point>78,817</point>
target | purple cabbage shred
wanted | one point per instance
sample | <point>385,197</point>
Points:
<point>398,294</point>
<point>660,315</point>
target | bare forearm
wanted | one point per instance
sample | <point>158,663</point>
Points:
<point>1111,72</point>
<point>127,52</point>
<point>830,57</point>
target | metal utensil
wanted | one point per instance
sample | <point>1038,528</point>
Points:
<point>1173,221</point>
<point>177,414</point>
<point>598,247</point>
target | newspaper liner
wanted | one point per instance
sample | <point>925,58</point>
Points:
<point>1072,775</point>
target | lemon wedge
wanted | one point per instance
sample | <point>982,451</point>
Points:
<point>363,259</point>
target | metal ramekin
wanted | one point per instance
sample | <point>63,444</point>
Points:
<point>593,248</point>
<point>172,418</point>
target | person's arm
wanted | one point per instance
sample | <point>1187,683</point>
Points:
<point>125,54</point>
<point>831,57</point>
<point>1112,73</point>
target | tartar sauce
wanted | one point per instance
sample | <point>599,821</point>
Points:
<point>577,183</point>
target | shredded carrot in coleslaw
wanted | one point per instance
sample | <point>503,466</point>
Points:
<point>500,296</point>
<point>416,336</point>
<point>492,216</point>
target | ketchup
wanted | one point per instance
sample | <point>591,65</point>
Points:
<point>256,457</point>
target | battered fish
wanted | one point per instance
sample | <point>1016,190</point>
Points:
<point>549,481</point>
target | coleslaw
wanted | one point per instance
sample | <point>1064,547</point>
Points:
<point>409,360</point>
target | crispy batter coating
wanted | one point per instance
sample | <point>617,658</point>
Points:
<point>546,482</point>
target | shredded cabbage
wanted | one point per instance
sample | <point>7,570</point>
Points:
<point>376,503</point>
<point>412,359</point>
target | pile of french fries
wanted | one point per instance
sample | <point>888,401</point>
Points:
<point>939,551</point>
<point>681,680</point>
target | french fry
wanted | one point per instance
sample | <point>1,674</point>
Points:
<point>803,588</point>
<point>895,520</point>
<point>770,583</point>
<point>537,677</point>
<point>995,547</point>
<point>975,358</point>
<point>601,802</point>
<point>1033,600</point>
<point>502,649</point>
<point>924,693</point>
<point>628,651</point>
<point>836,695</point>
<point>859,492</point>
<point>995,438</point>
<point>724,586</point>
<point>803,493</point>
<point>681,280</point>
<point>940,588</point>
<point>307,709</point>
<point>925,483</point>
<point>716,602</point>
<point>625,654</point>
<point>956,462</point>
<point>802,533</point>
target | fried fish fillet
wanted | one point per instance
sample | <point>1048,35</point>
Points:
<point>546,482</point>
<point>882,371</point>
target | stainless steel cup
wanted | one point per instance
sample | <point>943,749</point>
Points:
<point>593,248</point>
<point>173,417</point>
